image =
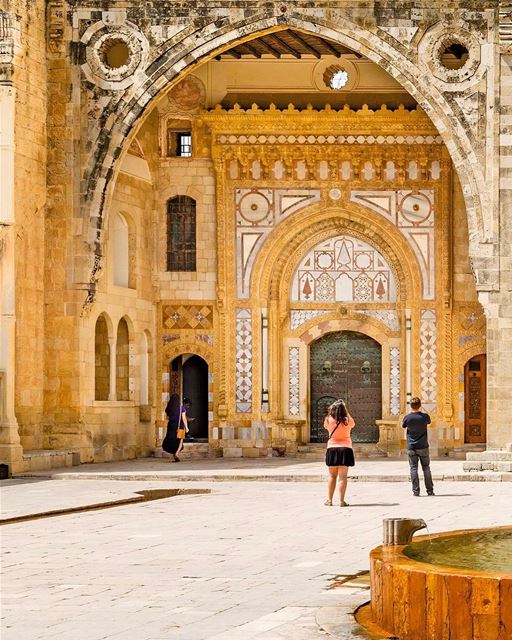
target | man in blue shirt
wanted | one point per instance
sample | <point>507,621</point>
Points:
<point>415,423</point>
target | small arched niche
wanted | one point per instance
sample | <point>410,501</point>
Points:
<point>123,361</point>
<point>101,360</point>
<point>123,251</point>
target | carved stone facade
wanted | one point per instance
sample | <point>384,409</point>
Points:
<point>389,221</point>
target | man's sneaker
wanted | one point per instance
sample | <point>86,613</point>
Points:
<point>431,494</point>
<point>416,494</point>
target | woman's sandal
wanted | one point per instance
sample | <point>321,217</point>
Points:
<point>344,504</point>
<point>328,503</point>
<point>176,459</point>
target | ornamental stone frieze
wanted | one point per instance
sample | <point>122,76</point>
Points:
<point>127,57</point>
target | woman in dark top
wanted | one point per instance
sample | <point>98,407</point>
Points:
<point>171,443</point>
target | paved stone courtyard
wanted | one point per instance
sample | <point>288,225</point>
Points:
<point>249,560</point>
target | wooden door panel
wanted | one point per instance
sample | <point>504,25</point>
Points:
<point>475,400</point>
<point>347,365</point>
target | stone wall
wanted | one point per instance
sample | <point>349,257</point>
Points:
<point>30,82</point>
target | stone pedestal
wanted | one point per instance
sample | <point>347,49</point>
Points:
<point>390,436</point>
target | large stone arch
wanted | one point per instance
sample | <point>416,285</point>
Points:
<point>183,52</point>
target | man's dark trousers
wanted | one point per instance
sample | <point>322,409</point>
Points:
<point>424,458</point>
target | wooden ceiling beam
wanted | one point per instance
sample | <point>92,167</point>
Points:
<point>305,44</point>
<point>284,44</point>
<point>331,48</point>
<point>252,50</point>
<point>275,52</point>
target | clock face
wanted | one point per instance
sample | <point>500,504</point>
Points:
<point>338,79</point>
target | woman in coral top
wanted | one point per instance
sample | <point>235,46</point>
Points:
<point>339,455</point>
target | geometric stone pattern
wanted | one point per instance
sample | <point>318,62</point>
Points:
<point>301,316</point>
<point>428,382</point>
<point>243,361</point>
<point>293,378</point>
<point>394,381</point>
<point>193,316</point>
<point>389,317</point>
<point>412,212</point>
<point>345,269</point>
<point>258,211</point>
<point>327,139</point>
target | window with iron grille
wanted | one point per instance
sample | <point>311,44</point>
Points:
<point>179,143</point>
<point>184,144</point>
<point>181,234</point>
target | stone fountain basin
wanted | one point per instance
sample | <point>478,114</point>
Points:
<point>415,600</point>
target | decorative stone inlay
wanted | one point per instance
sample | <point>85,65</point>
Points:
<point>293,381</point>
<point>299,317</point>
<point>394,381</point>
<point>194,316</point>
<point>428,359</point>
<point>327,139</point>
<point>343,269</point>
<point>387,317</point>
<point>258,211</point>
<point>205,338</point>
<point>412,212</point>
<point>170,338</point>
<point>243,361</point>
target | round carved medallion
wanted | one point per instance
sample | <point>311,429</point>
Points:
<point>254,207</point>
<point>415,208</point>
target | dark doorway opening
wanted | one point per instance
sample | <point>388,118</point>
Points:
<point>189,379</point>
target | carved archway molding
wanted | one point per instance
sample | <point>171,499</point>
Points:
<point>181,54</point>
<point>333,322</point>
<point>294,237</point>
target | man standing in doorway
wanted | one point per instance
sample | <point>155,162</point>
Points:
<point>415,423</point>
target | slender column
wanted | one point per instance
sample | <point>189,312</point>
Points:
<point>112,343</point>
<point>264,362</point>
<point>408,358</point>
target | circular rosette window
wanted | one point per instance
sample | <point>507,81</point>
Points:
<point>114,54</point>
<point>415,209</point>
<point>254,207</point>
<point>451,56</point>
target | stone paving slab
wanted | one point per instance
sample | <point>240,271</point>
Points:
<point>263,469</point>
<point>255,560</point>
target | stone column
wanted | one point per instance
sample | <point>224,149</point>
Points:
<point>499,371</point>
<point>11,451</point>
<point>112,345</point>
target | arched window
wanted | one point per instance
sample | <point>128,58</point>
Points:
<point>181,234</point>
<point>122,361</point>
<point>122,252</point>
<point>101,360</point>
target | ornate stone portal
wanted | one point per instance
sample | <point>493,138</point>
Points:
<point>275,188</point>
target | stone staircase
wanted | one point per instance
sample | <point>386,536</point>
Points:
<point>460,453</point>
<point>193,451</point>
<point>499,460</point>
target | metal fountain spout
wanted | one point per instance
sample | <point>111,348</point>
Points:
<point>400,530</point>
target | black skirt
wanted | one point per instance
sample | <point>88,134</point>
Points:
<point>339,457</point>
<point>171,442</point>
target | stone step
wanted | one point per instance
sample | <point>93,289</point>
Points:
<point>193,451</point>
<point>476,465</point>
<point>42,459</point>
<point>489,456</point>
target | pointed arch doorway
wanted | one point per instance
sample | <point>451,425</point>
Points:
<point>347,365</point>
<point>189,379</point>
